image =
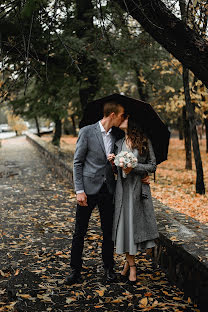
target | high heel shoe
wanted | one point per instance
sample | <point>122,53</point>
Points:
<point>123,277</point>
<point>132,282</point>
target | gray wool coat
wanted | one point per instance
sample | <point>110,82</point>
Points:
<point>144,226</point>
<point>91,167</point>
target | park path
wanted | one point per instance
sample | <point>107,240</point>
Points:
<point>37,211</point>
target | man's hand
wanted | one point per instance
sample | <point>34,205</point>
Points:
<point>111,158</point>
<point>145,180</point>
<point>82,199</point>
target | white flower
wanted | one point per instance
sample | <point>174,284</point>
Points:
<point>125,160</point>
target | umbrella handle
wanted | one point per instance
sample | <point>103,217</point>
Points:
<point>154,176</point>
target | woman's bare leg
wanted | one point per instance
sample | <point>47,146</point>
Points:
<point>131,261</point>
<point>126,266</point>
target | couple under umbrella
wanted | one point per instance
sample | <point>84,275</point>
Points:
<point>122,137</point>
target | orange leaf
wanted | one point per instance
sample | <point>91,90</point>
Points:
<point>100,292</point>
<point>148,294</point>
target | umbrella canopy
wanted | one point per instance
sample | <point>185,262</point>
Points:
<point>142,112</point>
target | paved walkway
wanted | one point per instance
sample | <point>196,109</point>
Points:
<point>36,224</point>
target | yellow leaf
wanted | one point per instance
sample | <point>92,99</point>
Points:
<point>44,297</point>
<point>155,303</point>
<point>173,238</point>
<point>143,302</point>
<point>70,299</point>
<point>25,296</point>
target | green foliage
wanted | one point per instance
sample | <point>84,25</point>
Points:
<point>55,57</point>
<point>32,6</point>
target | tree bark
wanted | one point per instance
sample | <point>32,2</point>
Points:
<point>206,131</point>
<point>89,77</point>
<point>187,140</point>
<point>37,126</point>
<point>172,33</point>
<point>58,131</point>
<point>200,187</point>
<point>180,128</point>
<point>140,86</point>
<point>74,126</point>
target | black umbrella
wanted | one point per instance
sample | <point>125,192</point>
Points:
<point>142,112</point>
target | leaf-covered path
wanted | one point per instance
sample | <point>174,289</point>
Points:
<point>36,224</point>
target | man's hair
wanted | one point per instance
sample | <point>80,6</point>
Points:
<point>111,107</point>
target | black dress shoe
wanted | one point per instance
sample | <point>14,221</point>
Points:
<point>73,278</point>
<point>110,275</point>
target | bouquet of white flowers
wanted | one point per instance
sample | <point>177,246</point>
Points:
<point>125,160</point>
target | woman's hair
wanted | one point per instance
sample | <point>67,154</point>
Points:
<point>137,136</point>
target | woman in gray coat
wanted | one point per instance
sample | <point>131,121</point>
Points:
<point>134,226</point>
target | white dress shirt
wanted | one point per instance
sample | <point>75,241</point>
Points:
<point>107,143</point>
<point>106,139</point>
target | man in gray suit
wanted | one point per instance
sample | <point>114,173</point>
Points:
<point>94,185</point>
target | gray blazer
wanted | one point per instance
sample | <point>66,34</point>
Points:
<point>144,226</point>
<point>91,167</point>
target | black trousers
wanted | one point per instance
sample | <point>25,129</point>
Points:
<point>104,200</point>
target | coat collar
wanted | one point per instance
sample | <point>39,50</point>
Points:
<point>119,144</point>
<point>100,137</point>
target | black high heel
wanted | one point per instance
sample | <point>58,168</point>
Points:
<point>125,277</point>
<point>132,282</point>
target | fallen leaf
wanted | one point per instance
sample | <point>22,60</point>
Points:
<point>143,302</point>
<point>70,299</point>
<point>25,296</point>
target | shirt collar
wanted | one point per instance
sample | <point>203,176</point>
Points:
<point>103,129</point>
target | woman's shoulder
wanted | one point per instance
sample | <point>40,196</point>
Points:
<point>119,142</point>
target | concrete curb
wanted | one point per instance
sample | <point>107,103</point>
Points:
<point>182,247</point>
<point>182,251</point>
<point>51,153</point>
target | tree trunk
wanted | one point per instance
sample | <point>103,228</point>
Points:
<point>37,126</point>
<point>57,134</point>
<point>172,33</point>
<point>74,126</point>
<point>206,131</point>
<point>180,128</point>
<point>200,187</point>
<point>1,57</point>
<point>187,140</point>
<point>89,78</point>
<point>140,86</point>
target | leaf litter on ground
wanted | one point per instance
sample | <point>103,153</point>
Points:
<point>36,234</point>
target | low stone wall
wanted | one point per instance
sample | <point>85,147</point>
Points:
<point>182,248</point>
<point>54,156</point>
<point>182,251</point>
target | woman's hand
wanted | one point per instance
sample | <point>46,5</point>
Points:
<point>127,170</point>
<point>145,180</point>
